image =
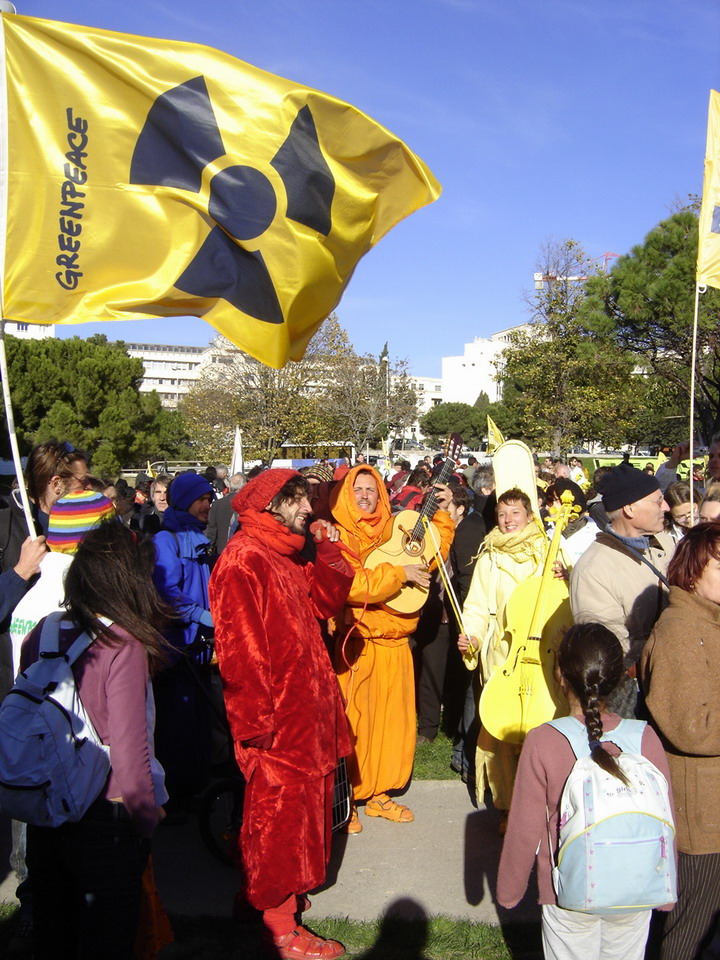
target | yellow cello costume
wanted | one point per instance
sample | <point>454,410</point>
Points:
<point>379,686</point>
<point>505,560</point>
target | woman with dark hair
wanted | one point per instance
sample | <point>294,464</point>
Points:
<point>589,667</point>
<point>86,876</point>
<point>53,469</point>
<point>680,672</point>
<point>682,515</point>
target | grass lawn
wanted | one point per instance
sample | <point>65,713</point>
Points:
<point>441,938</point>
<point>432,760</point>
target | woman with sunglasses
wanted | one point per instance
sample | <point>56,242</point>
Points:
<point>53,469</point>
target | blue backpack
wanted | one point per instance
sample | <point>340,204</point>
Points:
<point>616,843</point>
<point>53,764</point>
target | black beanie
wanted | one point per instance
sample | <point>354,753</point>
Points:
<point>562,484</point>
<point>626,484</point>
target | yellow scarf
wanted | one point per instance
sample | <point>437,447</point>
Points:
<point>525,544</point>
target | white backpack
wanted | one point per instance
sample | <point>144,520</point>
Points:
<point>53,764</point>
<point>616,843</point>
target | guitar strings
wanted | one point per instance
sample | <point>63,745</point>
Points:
<point>444,576</point>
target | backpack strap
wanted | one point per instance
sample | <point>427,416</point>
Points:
<point>50,639</point>
<point>627,735</point>
<point>575,732</point>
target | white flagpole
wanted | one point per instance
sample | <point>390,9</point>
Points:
<point>6,7</point>
<point>13,436</point>
<point>699,288</point>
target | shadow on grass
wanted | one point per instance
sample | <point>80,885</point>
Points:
<point>403,933</point>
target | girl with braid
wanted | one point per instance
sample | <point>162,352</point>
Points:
<point>589,667</point>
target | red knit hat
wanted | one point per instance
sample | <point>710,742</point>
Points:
<point>258,492</point>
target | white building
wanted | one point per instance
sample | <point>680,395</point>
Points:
<point>29,331</point>
<point>429,391</point>
<point>171,370</point>
<point>465,377</point>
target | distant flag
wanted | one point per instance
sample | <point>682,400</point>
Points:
<point>708,264</point>
<point>151,178</point>
<point>495,438</point>
<point>150,471</point>
<point>236,463</point>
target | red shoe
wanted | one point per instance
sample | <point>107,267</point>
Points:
<point>301,943</point>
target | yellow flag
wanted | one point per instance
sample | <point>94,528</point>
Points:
<point>495,438</point>
<point>150,178</point>
<point>708,264</point>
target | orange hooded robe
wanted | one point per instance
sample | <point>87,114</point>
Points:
<point>378,685</point>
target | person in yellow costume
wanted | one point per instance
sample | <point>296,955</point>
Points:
<point>512,552</point>
<point>374,666</point>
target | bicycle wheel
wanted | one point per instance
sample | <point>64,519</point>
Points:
<point>220,818</point>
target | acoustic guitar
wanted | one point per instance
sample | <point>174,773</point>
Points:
<point>406,541</point>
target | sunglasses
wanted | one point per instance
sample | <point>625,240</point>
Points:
<point>67,448</point>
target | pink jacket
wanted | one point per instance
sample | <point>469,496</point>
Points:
<point>112,680</point>
<point>545,763</point>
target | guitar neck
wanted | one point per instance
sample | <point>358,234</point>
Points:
<point>430,506</point>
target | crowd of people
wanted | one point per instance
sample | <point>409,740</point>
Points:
<point>329,619</point>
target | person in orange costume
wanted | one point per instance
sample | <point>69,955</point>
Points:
<point>375,666</point>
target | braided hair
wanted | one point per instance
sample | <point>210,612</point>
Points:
<point>590,661</point>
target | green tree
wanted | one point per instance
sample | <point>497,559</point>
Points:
<point>504,413</point>
<point>331,395</point>
<point>563,383</point>
<point>482,404</point>
<point>646,304</point>
<point>446,418</point>
<point>87,392</point>
<point>371,398</point>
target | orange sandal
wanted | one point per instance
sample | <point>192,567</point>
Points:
<point>353,826</point>
<point>382,806</point>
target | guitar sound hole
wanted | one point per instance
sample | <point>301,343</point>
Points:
<point>413,548</point>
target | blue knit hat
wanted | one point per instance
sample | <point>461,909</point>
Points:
<point>186,489</point>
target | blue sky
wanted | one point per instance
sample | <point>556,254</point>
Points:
<point>567,118</point>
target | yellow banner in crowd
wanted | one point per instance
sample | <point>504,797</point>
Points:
<point>149,178</point>
<point>495,438</point>
<point>708,265</point>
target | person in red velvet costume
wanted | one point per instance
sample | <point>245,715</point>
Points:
<point>282,698</point>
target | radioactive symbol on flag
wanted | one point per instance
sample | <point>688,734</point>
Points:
<point>179,139</point>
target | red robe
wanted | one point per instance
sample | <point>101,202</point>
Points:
<point>278,679</point>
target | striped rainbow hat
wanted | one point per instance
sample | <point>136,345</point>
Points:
<point>73,515</point>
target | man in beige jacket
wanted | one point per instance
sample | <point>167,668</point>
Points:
<point>620,579</point>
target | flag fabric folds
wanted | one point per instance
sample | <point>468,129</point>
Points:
<point>495,437</point>
<point>708,264</point>
<point>236,462</point>
<point>146,178</point>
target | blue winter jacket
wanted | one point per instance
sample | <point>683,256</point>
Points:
<point>181,575</point>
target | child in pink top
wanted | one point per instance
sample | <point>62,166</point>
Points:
<point>590,665</point>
